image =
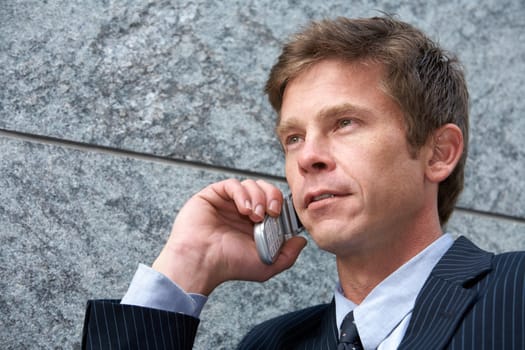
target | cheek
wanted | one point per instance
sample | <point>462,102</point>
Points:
<point>387,151</point>
<point>393,182</point>
<point>290,172</point>
<point>381,166</point>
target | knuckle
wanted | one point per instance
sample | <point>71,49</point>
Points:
<point>248,182</point>
<point>262,182</point>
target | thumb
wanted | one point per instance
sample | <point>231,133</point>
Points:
<point>289,252</point>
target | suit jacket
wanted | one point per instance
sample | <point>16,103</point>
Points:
<point>471,300</point>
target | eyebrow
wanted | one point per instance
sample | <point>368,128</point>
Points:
<point>328,112</point>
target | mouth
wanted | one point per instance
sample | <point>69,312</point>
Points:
<point>323,196</point>
<point>317,197</point>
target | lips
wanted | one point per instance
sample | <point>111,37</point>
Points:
<point>323,196</point>
<point>320,195</point>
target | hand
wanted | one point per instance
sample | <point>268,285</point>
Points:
<point>212,237</point>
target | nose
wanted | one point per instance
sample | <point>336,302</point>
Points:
<point>315,156</point>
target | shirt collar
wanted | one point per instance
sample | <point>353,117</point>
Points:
<point>393,299</point>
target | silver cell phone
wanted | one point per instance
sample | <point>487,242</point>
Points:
<point>272,232</point>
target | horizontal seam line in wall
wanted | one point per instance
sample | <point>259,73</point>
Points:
<point>86,147</point>
<point>199,165</point>
<point>487,214</point>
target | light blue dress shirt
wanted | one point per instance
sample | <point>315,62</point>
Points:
<point>381,319</point>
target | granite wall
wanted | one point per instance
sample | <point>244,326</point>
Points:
<point>113,112</point>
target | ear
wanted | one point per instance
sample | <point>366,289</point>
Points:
<point>446,147</point>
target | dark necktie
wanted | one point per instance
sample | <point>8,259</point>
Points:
<point>349,339</point>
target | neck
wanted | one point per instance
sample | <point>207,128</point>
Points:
<point>360,272</point>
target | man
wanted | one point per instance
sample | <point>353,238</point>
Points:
<point>373,120</point>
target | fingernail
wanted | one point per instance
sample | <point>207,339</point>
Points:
<point>274,206</point>
<point>259,210</point>
<point>248,205</point>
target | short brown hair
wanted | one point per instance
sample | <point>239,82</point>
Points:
<point>427,82</point>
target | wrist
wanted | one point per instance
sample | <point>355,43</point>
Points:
<point>186,269</point>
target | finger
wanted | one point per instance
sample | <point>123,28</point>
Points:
<point>274,197</point>
<point>257,199</point>
<point>230,190</point>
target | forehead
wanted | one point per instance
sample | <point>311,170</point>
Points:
<point>331,83</point>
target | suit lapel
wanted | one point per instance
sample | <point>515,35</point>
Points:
<point>446,296</point>
<point>318,332</point>
<point>326,337</point>
<point>312,328</point>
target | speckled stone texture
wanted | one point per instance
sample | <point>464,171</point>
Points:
<point>112,113</point>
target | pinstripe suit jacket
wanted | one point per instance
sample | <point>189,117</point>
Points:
<point>471,300</point>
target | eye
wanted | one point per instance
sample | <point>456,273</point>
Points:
<point>344,123</point>
<point>292,139</point>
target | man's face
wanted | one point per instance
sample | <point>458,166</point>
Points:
<point>354,182</point>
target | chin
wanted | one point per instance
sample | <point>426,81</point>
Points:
<point>335,237</point>
<point>329,248</point>
<point>327,241</point>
